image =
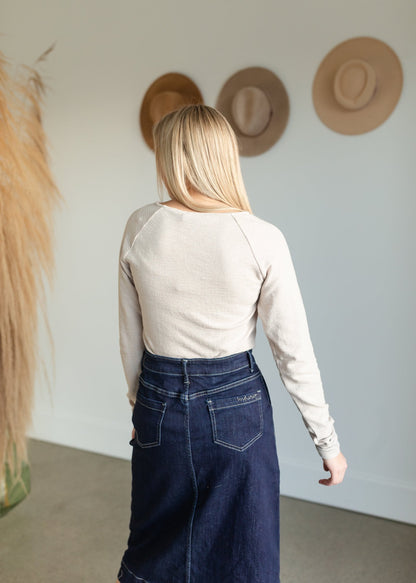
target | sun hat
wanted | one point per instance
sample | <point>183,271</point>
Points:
<point>357,85</point>
<point>167,93</point>
<point>255,102</point>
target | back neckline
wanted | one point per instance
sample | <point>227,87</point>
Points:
<point>197,212</point>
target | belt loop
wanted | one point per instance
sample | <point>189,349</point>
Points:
<point>251,360</point>
<point>185,371</point>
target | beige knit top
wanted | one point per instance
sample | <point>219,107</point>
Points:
<point>192,285</point>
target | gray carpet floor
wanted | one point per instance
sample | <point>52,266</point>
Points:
<point>73,527</point>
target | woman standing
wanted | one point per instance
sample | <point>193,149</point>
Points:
<point>195,274</point>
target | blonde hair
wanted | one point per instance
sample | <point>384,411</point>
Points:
<point>196,148</point>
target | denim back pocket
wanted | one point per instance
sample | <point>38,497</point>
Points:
<point>236,422</point>
<point>147,420</point>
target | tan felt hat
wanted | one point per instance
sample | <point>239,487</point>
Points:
<point>168,93</point>
<point>357,85</point>
<point>255,102</point>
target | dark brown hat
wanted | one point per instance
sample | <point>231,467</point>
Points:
<point>168,93</point>
<point>255,102</point>
<point>357,85</point>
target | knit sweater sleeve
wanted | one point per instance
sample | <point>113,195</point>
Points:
<point>282,313</point>
<point>130,316</point>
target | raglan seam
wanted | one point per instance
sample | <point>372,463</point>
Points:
<point>148,220</point>
<point>250,245</point>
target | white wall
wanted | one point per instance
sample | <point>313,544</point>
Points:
<point>344,203</point>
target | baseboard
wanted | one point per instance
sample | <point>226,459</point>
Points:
<point>359,492</point>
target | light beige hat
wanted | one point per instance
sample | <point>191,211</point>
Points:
<point>168,93</point>
<point>357,85</point>
<point>255,102</point>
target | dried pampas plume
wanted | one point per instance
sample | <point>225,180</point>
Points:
<point>28,197</point>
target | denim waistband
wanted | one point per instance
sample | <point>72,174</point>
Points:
<point>220,364</point>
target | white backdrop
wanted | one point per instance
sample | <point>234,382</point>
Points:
<point>345,204</point>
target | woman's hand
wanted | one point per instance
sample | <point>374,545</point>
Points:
<point>337,466</point>
<point>132,407</point>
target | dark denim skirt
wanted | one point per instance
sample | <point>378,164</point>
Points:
<point>205,474</point>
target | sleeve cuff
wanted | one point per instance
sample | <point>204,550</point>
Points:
<point>328,452</point>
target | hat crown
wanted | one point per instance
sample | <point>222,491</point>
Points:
<point>165,102</point>
<point>355,83</point>
<point>251,110</point>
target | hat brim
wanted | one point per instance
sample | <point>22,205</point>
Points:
<point>389,75</point>
<point>273,87</point>
<point>169,82</point>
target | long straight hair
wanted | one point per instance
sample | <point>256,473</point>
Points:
<point>197,148</point>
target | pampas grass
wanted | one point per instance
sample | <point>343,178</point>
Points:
<point>28,197</point>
